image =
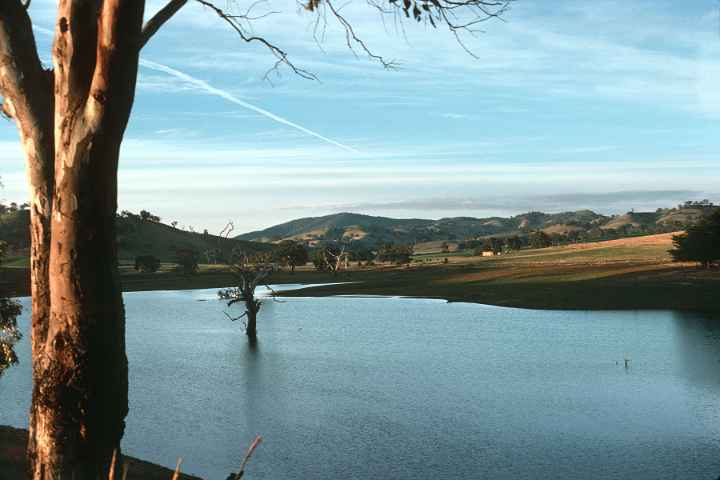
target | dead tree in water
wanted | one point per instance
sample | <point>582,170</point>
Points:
<point>249,273</point>
<point>71,120</point>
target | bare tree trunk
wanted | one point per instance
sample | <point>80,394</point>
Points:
<point>251,330</point>
<point>80,399</point>
<point>78,337</point>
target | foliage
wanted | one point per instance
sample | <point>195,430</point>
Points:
<point>513,243</point>
<point>362,254</point>
<point>330,258</point>
<point>700,243</point>
<point>187,260</point>
<point>320,261</point>
<point>395,253</point>
<point>492,244</point>
<point>292,254</point>
<point>147,263</point>
<point>539,239</point>
<point>146,216</point>
<point>14,225</point>
<point>9,333</point>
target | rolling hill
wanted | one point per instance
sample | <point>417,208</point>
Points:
<point>369,230</point>
<point>147,237</point>
<point>135,236</point>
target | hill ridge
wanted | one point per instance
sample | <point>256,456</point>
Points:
<point>374,229</point>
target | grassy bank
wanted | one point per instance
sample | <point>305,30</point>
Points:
<point>634,273</point>
<point>621,274</point>
<point>13,463</point>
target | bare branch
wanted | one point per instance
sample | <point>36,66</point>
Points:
<point>234,319</point>
<point>227,230</point>
<point>235,22</point>
<point>157,21</point>
<point>20,69</point>
<point>351,39</point>
<point>457,16</point>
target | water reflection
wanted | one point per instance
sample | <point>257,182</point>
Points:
<point>697,338</point>
<point>250,369</point>
<point>407,389</point>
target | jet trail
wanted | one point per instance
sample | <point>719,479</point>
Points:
<point>203,85</point>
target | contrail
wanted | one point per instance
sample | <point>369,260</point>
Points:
<point>203,85</point>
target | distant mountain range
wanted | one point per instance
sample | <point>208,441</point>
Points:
<point>138,236</point>
<point>371,230</point>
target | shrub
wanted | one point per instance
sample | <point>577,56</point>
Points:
<point>147,264</point>
<point>700,243</point>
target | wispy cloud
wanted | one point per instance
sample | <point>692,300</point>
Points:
<point>203,85</point>
<point>605,202</point>
<point>455,116</point>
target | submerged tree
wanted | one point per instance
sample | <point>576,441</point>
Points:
<point>249,272</point>
<point>71,120</point>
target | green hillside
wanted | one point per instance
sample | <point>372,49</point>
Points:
<point>143,237</point>
<point>334,227</point>
<point>366,230</point>
<point>147,236</point>
<point>135,236</point>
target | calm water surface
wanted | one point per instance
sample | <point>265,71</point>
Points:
<point>379,388</point>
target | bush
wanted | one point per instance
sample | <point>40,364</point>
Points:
<point>187,260</point>
<point>9,333</point>
<point>700,243</point>
<point>147,264</point>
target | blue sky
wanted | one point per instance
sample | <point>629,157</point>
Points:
<point>609,105</point>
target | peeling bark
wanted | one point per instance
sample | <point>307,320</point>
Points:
<point>71,125</point>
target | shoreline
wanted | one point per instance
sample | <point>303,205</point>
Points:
<point>13,463</point>
<point>646,287</point>
<point>625,274</point>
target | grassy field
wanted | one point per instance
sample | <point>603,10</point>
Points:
<point>633,273</point>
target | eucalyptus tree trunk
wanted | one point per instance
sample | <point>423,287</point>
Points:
<point>71,125</point>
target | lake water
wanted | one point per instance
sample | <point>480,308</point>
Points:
<point>382,388</point>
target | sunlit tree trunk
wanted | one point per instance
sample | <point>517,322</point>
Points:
<point>71,126</point>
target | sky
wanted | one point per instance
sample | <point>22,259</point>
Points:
<point>605,104</point>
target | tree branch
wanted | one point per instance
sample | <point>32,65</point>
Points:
<point>27,91</point>
<point>116,63</point>
<point>157,21</point>
<point>235,23</point>
<point>20,69</point>
<point>74,54</point>
<point>458,16</point>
